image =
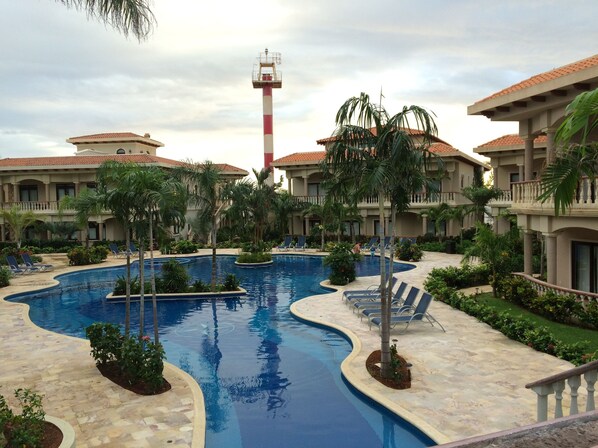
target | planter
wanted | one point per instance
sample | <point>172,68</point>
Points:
<point>181,296</point>
<point>254,265</point>
<point>68,433</point>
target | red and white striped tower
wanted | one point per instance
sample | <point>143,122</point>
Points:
<point>266,77</point>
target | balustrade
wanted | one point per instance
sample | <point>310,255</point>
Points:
<point>542,287</point>
<point>556,384</point>
<point>33,206</point>
<point>526,193</point>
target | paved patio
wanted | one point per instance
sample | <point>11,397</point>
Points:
<point>466,382</point>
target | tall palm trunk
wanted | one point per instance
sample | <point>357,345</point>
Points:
<point>153,279</point>
<point>385,324</point>
<point>214,268</point>
<point>128,284</point>
<point>141,290</point>
<point>386,370</point>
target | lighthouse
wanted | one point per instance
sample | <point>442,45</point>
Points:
<point>266,77</point>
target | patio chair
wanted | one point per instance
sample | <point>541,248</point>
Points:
<point>301,243</point>
<point>29,263</point>
<point>14,267</point>
<point>398,305</point>
<point>133,251</point>
<point>371,290</point>
<point>115,250</point>
<point>418,315</point>
<point>396,300</point>
<point>373,242</point>
<point>286,244</point>
<point>387,242</point>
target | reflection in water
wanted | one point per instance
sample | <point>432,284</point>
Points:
<point>268,380</point>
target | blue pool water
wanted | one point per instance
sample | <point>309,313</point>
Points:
<point>268,379</point>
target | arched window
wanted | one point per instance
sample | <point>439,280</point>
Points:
<point>120,151</point>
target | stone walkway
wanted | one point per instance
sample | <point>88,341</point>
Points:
<point>465,382</point>
<point>62,370</point>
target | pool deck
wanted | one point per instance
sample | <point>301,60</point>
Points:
<point>467,381</point>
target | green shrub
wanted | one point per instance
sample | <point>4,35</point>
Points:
<point>254,257</point>
<point>408,251</point>
<point>174,277</point>
<point>183,247</point>
<point>231,283</point>
<point>4,276</point>
<point>557,307</point>
<point>27,428</point>
<point>589,315</point>
<point>105,340</point>
<point>517,290</point>
<point>342,264</point>
<point>200,286</point>
<point>432,246</point>
<point>80,256</point>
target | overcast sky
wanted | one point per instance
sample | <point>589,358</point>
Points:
<point>189,85</point>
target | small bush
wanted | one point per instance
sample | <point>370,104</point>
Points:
<point>174,278</point>
<point>342,264</point>
<point>80,256</point>
<point>183,247</point>
<point>4,277</point>
<point>105,340</point>
<point>408,251</point>
<point>231,283</point>
<point>433,246</point>
<point>27,428</point>
<point>200,286</point>
<point>254,257</point>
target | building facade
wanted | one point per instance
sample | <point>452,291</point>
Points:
<point>37,184</point>
<point>538,105</point>
<point>304,181</point>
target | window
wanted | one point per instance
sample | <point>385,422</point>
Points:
<point>347,228</point>
<point>585,266</point>
<point>63,190</point>
<point>315,190</point>
<point>431,229</point>
<point>120,151</point>
<point>93,231</point>
<point>513,178</point>
<point>377,227</point>
<point>28,193</point>
<point>91,186</point>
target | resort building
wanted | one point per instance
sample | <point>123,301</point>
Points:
<point>538,105</point>
<point>38,184</point>
<point>304,178</point>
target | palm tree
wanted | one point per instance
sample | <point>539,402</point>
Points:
<point>260,202</point>
<point>238,214</point>
<point>121,200</point>
<point>205,180</point>
<point>87,204</point>
<point>126,16</point>
<point>376,154</point>
<point>17,221</point>
<point>577,157</point>
<point>283,207</point>
<point>438,215</point>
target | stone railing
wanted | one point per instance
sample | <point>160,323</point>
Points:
<point>33,206</point>
<point>505,197</point>
<point>556,384</point>
<point>448,197</point>
<point>525,195</point>
<point>542,287</point>
<point>316,200</point>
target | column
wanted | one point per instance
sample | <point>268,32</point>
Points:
<point>2,230</point>
<point>15,192</point>
<point>47,188</point>
<point>551,260</point>
<point>528,267</point>
<point>424,224</point>
<point>305,186</point>
<point>528,158</point>
<point>289,184</point>
<point>520,172</point>
<point>550,150</point>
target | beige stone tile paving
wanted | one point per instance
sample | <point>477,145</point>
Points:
<point>61,368</point>
<point>467,381</point>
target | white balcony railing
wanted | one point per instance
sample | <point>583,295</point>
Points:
<point>33,206</point>
<point>450,197</point>
<point>525,195</point>
<point>505,197</point>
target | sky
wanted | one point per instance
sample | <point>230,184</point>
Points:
<point>63,74</point>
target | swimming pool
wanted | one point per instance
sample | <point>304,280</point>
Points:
<point>268,379</point>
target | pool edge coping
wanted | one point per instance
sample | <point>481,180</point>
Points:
<point>356,349</point>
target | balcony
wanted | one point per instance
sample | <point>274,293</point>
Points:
<point>34,206</point>
<point>418,200</point>
<point>525,199</point>
<point>505,199</point>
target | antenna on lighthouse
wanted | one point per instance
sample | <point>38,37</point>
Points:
<point>266,77</point>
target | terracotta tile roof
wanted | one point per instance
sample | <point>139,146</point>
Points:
<point>92,161</point>
<point>323,141</point>
<point>108,135</point>
<point>568,69</point>
<point>313,156</point>
<point>510,140</point>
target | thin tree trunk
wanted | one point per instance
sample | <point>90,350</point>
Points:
<point>128,284</point>
<point>153,280</point>
<point>386,371</point>
<point>385,318</point>
<point>141,290</point>
<point>214,269</point>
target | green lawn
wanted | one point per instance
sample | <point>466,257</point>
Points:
<point>566,333</point>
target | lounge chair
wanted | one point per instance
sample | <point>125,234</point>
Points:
<point>419,314</point>
<point>397,299</point>
<point>387,242</point>
<point>301,244</point>
<point>286,244</point>
<point>372,290</point>
<point>373,242</point>
<point>115,250</point>
<point>403,304</point>
<point>30,264</point>
<point>133,251</point>
<point>14,267</point>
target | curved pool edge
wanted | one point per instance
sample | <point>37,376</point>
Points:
<point>352,378</point>
<point>199,414</point>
